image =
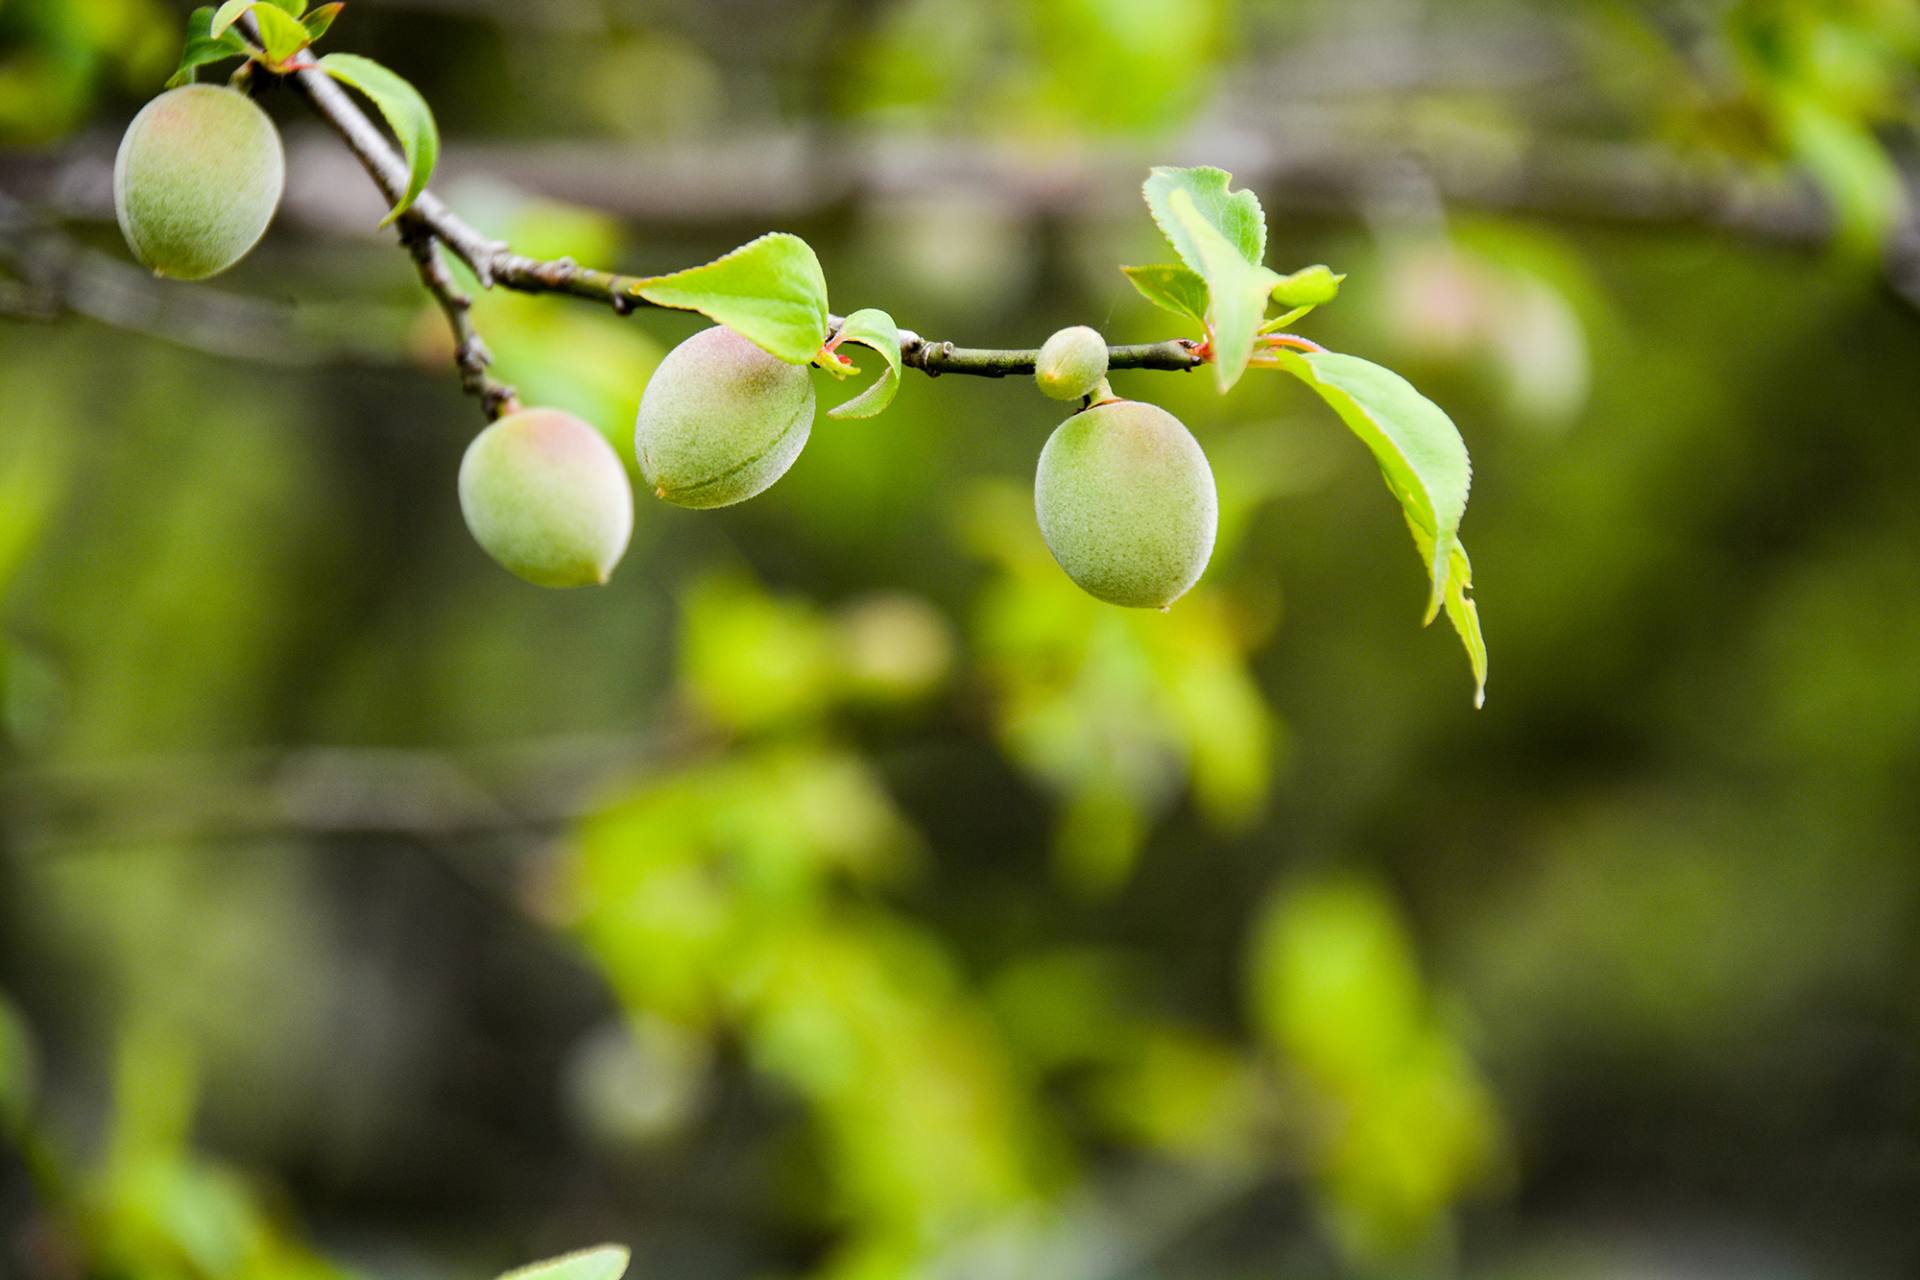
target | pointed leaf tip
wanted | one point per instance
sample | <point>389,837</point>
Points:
<point>1424,463</point>
<point>601,1262</point>
<point>405,111</point>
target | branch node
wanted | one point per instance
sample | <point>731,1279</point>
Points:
<point>499,400</point>
<point>473,353</point>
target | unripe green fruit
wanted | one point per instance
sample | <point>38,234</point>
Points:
<point>1071,363</point>
<point>1126,502</point>
<point>545,495</point>
<point>196,180</point>
<point>721,420</point>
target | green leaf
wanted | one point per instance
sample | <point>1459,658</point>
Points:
<point>203,47</point>
<point>601,1262</point>
<point>406,112</point>
<point>1417,446</point>
<point>1173,287</point>
<point>770,291</point>
<point>282,35</point>
<point>1859,180</point>
<point>1237,290</point>
<point>1284,319</point>
<point>872,328</point>
<point>229,13</point>
<point>1462,611</point>
<point>1235,215</point>
<point>322,18</point>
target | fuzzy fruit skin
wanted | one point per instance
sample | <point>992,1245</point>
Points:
<point>546,496</point>
<point>721,420</point>
<point>1126,503</point>
<point>196,181</point>
<point>1071,363</point>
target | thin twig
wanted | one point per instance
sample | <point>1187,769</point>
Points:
<point>470,354</point>
<point>935,358</point>
<point>389,171</point>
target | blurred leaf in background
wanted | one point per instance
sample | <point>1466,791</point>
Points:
<point>1829,74</point>
<point>733,894</point>
<point>56,57</point>
<point>1502,302</point>
<point>148,1205</point>
<point>1116,710</point>
<point>1052,67</point>
<point>1400,1124</point>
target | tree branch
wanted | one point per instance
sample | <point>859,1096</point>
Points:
<point>429,222</point>
<point>470,354</point>
<point>389,170</point>
<point>935,358</point>
<point>422,229</point>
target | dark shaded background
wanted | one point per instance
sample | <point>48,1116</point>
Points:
<point>840,893</point>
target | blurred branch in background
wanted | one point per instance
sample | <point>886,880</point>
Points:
<point>530,788</point>
<point>46,274</point>
<point>1320,160</point>
<point>1315,159</point>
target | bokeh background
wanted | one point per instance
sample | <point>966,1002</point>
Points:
<point>840,893</point>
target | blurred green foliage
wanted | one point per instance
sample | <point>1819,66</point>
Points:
<point>842,893</point>
<point>59,57</point>
<point>731,893</point>
<point>156,1209</point>
<point>1825,74</point>
<point>1409,1123</point>
<point>1116,710</point>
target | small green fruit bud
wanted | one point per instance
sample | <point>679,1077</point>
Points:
<point>196,180</point>
<point>1071,363</point>
<point>1308,287</point>
<point>546,496</point>
<point>1126,503</point>
<point>721,420</point>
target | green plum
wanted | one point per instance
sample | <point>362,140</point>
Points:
<point>1126,503</point>
<point>721,420</point>
<point>197,179</point>
<point>546,496</point>
<point>1071,363</point>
